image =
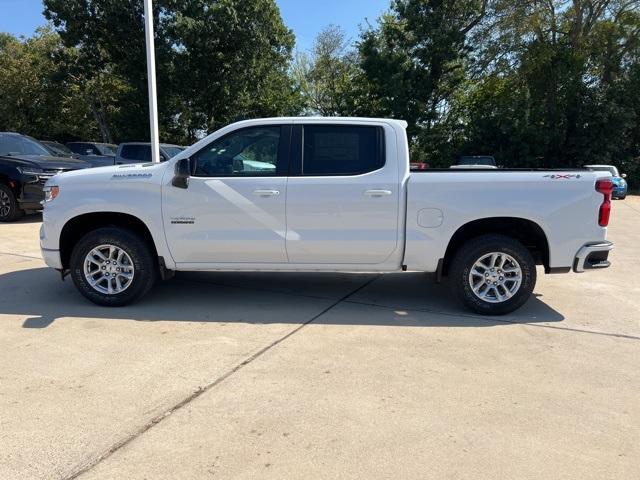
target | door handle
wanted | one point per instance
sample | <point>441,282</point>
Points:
<point>378,193</point>
<point>266,192</point>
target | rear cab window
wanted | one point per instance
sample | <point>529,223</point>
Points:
<point>339,150</point>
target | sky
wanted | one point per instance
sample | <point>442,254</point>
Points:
<point>305,17</point>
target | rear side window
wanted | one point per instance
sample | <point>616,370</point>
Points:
<point>342,150</point>
<point>140,153</point>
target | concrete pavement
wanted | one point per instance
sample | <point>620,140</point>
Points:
<point>247,375</point>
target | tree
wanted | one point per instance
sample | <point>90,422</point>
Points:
<point>413,62</point>
<point>568,70</point>
<point>217,61</point>
<point>38,97</point>
<point>326,76</point>
<point>231,60</point>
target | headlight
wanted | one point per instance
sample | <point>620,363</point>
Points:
<point>50,192</point>
<point>30,170</point>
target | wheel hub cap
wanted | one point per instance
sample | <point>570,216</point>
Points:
<point>495,277</point>
<point>5,205</point>
<point>109,269</point>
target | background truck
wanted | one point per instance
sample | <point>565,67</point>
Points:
<point>322,194</point>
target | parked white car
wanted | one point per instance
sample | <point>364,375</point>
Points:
<point>322,194</point>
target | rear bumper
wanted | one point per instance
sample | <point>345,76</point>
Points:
<point>592,256</point>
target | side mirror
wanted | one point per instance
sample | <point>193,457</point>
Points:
<point>624,175</point>
<point>182,173</point>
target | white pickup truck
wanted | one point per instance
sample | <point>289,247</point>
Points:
<point>322,194</point>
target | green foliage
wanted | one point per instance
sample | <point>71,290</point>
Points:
<point>217,61</point>
<point>565,96</point>
<point>413,62</point>
<point>326,76</point>
<point>231,60</point>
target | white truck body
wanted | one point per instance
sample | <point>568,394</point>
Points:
<point>384,220</point>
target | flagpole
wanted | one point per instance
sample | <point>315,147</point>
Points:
<point>151,78</point>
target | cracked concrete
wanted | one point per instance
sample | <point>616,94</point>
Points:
<point>319,375</point>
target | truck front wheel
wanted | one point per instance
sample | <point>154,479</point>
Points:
<point>112,266</point>
<point>493,274</point>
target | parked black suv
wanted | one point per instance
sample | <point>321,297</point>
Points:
<point>25,166</point>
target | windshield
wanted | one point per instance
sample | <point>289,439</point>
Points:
<point>20,145</point>
<point>106,148</point>
<point>172,151</point>
<point>58,148</point>
<point>605,168</point>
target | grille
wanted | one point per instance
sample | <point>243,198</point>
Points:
<point>48,173</point>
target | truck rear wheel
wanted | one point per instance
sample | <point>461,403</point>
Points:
<point>112,266</point>
<point>9,209</point>
<point>493,274</point>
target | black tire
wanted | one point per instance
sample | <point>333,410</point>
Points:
<point>8,199</point>
<point>474,250</point>
<point>145,268</point>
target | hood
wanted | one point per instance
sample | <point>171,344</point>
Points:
<point>116,173</point>
<point>47,162</point>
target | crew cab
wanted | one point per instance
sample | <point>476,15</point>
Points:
<point>322,194</point>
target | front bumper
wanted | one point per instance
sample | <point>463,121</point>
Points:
<point>31,194</point>
<point>592,256</point>
<point>52,258</point>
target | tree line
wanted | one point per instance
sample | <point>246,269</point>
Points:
<point>536,83</point>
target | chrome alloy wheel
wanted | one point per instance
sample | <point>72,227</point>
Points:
<point>109,269</point>
<point>5,204</point>
<point>495,277</point>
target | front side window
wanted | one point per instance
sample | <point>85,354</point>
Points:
<point>250,152</point>
<point>341,150</point>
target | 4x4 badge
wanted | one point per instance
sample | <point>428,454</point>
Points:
<point>562,176</point>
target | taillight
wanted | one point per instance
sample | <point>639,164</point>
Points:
<point>605,187</point>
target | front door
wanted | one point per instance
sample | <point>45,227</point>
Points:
<point>343,196</point>
<point>233,210</point>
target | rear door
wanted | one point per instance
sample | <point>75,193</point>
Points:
<point>343,194</point>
